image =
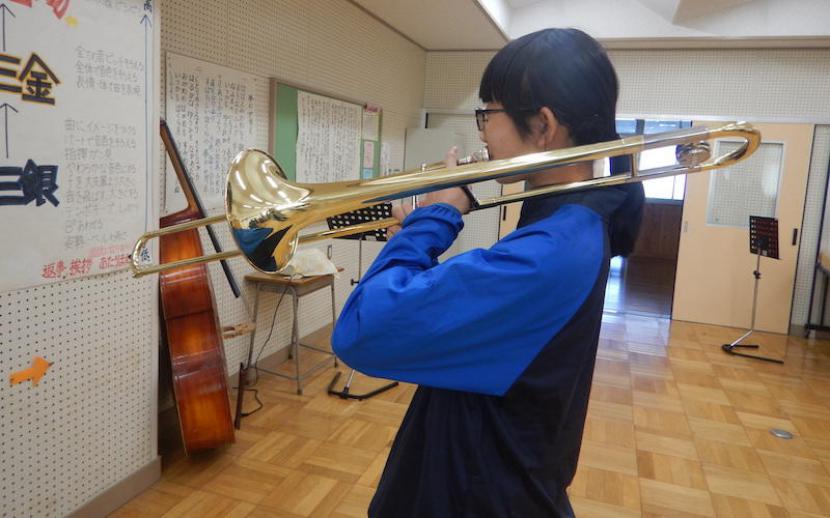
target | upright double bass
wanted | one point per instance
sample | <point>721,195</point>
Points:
<point>191,327</point>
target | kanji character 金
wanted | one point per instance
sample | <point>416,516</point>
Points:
<point>39,80</point>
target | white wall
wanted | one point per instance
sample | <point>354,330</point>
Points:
<point>634,19</point>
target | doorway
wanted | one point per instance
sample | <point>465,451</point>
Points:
<point>643,282</point>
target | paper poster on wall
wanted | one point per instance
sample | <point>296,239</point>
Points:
<point>368,154</point>
<point>77,108</point>
<point>385,159</point>
<point>212,113</point>
<point>371,123</point>
<point>328,139</point>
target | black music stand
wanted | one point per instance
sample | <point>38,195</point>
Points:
<point>348,219</point>
<point>763,240</point>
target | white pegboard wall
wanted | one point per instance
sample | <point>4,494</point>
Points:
<point>765,84</point>
<point>761,84</point>
<point>452,79</point>
<point>809,242</point>
<point>94,364</point>
<point>330,47</point>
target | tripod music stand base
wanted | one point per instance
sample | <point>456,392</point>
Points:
<point>345,394</point>
<point>730,349</point>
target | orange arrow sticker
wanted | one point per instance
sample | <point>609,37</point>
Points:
<point>33,373</point>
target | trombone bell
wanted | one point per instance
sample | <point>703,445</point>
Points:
<point>264,210</point>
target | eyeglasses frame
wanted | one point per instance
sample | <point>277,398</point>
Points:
<point>481,114</point>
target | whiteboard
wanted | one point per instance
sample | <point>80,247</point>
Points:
<point>328,139</point>
<point>213,112</point>
<point>76,117</point>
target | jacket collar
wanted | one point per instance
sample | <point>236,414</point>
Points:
<point>603,201</point>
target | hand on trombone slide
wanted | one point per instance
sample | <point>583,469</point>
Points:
<point>454,196</point>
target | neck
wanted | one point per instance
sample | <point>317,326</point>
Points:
<point>565,174</point>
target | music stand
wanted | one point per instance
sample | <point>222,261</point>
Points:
<point>763,241</point>
<point>348,219</point>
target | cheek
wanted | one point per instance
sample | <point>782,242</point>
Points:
<point>499,144</point>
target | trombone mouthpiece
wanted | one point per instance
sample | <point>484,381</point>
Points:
<point>480,155</point>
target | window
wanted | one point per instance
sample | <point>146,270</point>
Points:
<point>748,187</point>
<point>673,187</point>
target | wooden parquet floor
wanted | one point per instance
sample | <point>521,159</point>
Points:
<point>675,427</point>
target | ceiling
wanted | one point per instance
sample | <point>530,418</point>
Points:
<point>488,24</point>
<point>679,10</point>
<point>439,24</point>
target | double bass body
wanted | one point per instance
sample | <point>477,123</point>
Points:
<point>191,328</point>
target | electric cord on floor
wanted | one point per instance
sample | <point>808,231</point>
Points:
<point>256,361</point>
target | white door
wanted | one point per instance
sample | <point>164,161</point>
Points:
<point>714,281</point>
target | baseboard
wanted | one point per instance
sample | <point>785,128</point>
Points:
<point>818,334</point>
<point>122,492</point>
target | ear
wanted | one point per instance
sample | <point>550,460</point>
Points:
<point>551,133</point>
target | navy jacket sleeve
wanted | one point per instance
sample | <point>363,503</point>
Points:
<point>476,321</point>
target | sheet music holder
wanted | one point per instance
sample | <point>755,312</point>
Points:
<point>763,241</point>
<point>763,236</point>
<point>364,215</point>
<point>348,219</point>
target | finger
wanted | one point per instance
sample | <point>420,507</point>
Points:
<point>391,231</point>
<point>400,212</point>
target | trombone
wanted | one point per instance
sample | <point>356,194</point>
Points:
<point>266,212</point>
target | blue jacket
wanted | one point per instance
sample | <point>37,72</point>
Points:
<point>501,341</point>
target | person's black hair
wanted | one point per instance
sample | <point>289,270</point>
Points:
<point>569,72</point>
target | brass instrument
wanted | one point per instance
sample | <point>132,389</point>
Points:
<point>266,212</point>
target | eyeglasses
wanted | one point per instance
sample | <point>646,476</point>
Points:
<point>481,114</point>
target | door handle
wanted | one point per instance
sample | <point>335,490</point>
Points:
<point>795,236</point>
